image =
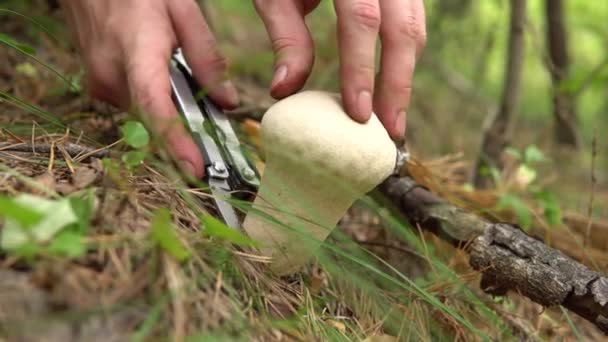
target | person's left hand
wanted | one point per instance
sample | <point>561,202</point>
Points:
<point>401,27</point>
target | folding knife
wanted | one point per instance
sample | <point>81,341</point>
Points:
<point>227,170</point>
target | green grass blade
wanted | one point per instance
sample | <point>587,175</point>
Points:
<point>33,21</point>
<point>4,96</point>
<point>8,41</point>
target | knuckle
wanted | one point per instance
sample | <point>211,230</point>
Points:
<point>365,69</point>
<point>399,87</point>
<point>215,61</point>
<point>100,73</point>
<point>144,95</point>
<point>284,43</point>
<point>144,92</point>
<point>114,25</point>
<point>406,29</point>
<point>367,14</point>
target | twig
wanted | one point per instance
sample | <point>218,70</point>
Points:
<point>592,76</point>
<point>73,150</point>
<point>592,195</point>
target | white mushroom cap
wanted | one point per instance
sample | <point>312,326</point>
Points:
<point>319,161</point>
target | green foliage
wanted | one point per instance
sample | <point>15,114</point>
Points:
<point>164,235</point>
<point>527,173</point>
<point>551,208</point>
<point>153,317</point>
<point>10,42</point>
<point>134,158</point>
<point>31,53</point>
<point>36,225</point>
<point>4,12</point>
<point>533,155</point>
<point>21,213</point>
<point>206,337</point>
<point>30,108</point>
<point>135,134</point>
<point>213,227</point>
<point>514,202</point>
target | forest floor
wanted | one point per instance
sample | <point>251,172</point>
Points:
<point>123,268</point>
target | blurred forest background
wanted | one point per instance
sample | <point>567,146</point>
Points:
<point>510,100</point>
<point>464,81</point>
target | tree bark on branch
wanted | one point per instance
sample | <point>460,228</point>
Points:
<point>496,134</point>
<point>507,257</point>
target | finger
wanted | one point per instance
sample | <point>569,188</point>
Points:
<point>291,42</point>
<point>358,26</point>
<point>402,35</point>
<point>149,87</point>
<point>105,79</point>
<point>202,52</point>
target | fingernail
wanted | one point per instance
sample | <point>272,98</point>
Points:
<point>400,124</point>
<point>187,168</point>
<point>279,76</point>
<point>364,104</point>
<point>230,93</point>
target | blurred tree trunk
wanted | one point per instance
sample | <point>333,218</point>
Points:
<point>563,101</point>
<point>496,134</point>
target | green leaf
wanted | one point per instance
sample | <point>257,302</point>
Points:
<point>8,40</point>
<point>135,134</point>
<point>55,215</point>
<point>83,209</point>
<point>134,158</point>
<point>164,234</point>
<point>550,204</point>
<point>524,217</point>
<point>22,214</point>
<point>216,228</point>
<point>533,154</point>
<point>514,152</point>
<point>68,243</point>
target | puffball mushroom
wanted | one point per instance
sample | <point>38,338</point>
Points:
<point>319,161</point>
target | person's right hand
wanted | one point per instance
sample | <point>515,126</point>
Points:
<point>126,46</point>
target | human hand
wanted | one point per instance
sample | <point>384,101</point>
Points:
<point>126,46</point>
<point>400,24</point>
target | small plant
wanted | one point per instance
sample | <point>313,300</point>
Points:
<point>35,225</point>
<point>526,176</point>
<point>165,236</point>
<point>136,136</point>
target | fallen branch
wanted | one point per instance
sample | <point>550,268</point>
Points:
<point>507,257</point>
